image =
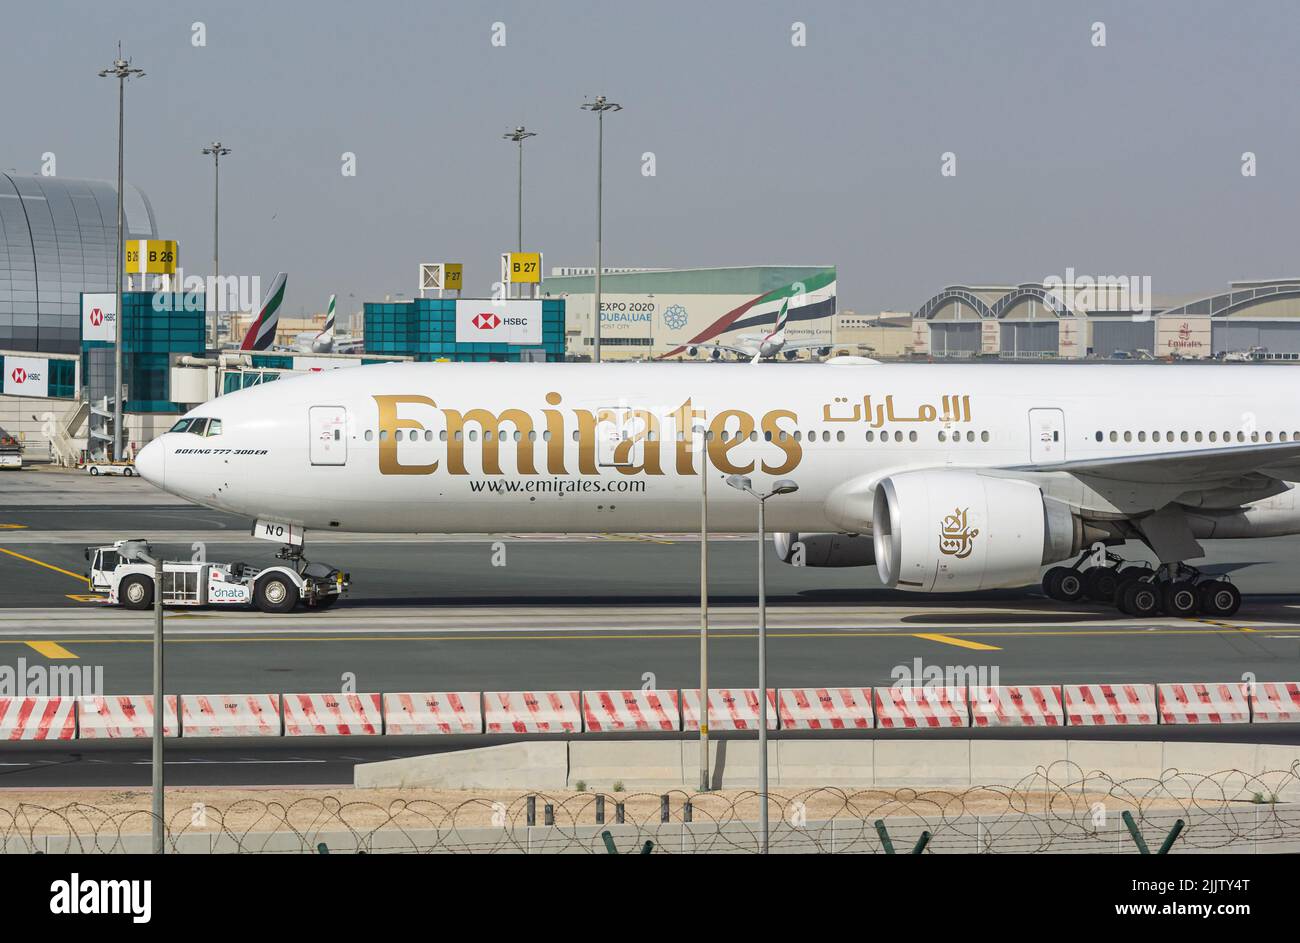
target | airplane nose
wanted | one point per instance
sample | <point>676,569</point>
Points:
<point>150,462</point>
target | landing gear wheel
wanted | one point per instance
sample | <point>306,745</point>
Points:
<point>275,593</point>
<point>1100,583</point>
<point>1218,598</point>
<point>1069,587</point>
<point>135,592</point>
<point>1063,583</point>
<point>1139,599</point>
<point>1179,598</point>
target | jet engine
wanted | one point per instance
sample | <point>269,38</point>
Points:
<point>960,531</point>
<point>825,549</point>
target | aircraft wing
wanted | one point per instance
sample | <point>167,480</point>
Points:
<point>1195,467</point>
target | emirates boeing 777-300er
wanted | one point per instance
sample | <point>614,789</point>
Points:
<point>948,478</point>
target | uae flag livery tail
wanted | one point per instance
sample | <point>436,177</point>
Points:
<point>261,334</point>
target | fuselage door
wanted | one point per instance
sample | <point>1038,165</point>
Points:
<point>329,435</point>
<point>1046,436</point>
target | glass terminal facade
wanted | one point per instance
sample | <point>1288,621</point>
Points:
<point>425,329</point>
<point>152,337</point>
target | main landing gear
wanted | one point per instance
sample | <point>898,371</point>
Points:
<point>1138,590</point>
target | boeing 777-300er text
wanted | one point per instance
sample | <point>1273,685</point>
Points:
<point>948,478</point>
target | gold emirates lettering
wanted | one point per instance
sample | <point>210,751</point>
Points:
<point>514,426</point>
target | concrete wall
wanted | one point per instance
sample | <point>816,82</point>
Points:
<point>652,764</point>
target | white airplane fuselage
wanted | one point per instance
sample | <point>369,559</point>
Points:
<point>460,448</point>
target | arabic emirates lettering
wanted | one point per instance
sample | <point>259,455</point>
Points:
<point>956,536</point>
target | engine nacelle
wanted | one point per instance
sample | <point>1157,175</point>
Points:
<point>825,549</point>
<point>959,531</point>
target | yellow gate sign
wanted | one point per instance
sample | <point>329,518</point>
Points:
<point>523,268</point>
<point>150,257</point>
<point>441,276</point>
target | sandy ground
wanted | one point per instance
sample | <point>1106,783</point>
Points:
<point>35,812</point>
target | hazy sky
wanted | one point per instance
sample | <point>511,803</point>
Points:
<point>1117,160</point>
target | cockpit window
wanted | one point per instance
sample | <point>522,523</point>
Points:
<point>214,427</point>
<point>182,426</point>
<point>200,426</point>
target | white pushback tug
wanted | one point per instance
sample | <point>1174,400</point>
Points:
<point>276,588</point>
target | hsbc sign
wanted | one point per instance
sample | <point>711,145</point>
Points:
<point>99,316</point>
<point>516,321</point>
<point>26,376</point>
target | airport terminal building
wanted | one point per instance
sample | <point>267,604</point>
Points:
<point>1252,320</point>
<point>652,314</point>
<point>56,241</point>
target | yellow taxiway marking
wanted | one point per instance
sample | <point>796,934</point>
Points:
<point>86,597</point>
<point>51,649</point>
<point>959,642</point>
<point>13,526</point>
<point>48,566</point>
<point>1228,625</point>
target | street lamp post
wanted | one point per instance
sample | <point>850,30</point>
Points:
<point>121,70</point>
<point>784,486</point>
<point>218,151</point>
<point>705,785</point>
<point>600,105</point>
<point>138,550</point>
<point>518,135</point>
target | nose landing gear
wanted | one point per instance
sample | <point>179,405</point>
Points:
<point>1138,590</point>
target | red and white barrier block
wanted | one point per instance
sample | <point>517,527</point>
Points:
<point>1223,703</point>
<point>825,708</point>
<point>37,718</point>
<point>1272,702</point>
<point>332,715</point>
<point>123,716</point>
<point>532,712</point>
<point>1110,705</point>
<point>1016,706</point>
<point>941,706</point>
<point>630,710</point>
<point>230,715</point>
<point>729,709</point>
<point>434,712</point>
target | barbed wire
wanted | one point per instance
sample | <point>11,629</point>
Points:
<point>1050,810</point>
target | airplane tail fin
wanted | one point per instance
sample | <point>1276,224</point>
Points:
<point>323,343</point>
<point>778,335</point>
<point>261,334</point>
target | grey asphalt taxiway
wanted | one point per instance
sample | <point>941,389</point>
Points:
<point>512,612</point>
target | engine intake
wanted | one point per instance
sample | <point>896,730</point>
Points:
<point>959,531</point>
